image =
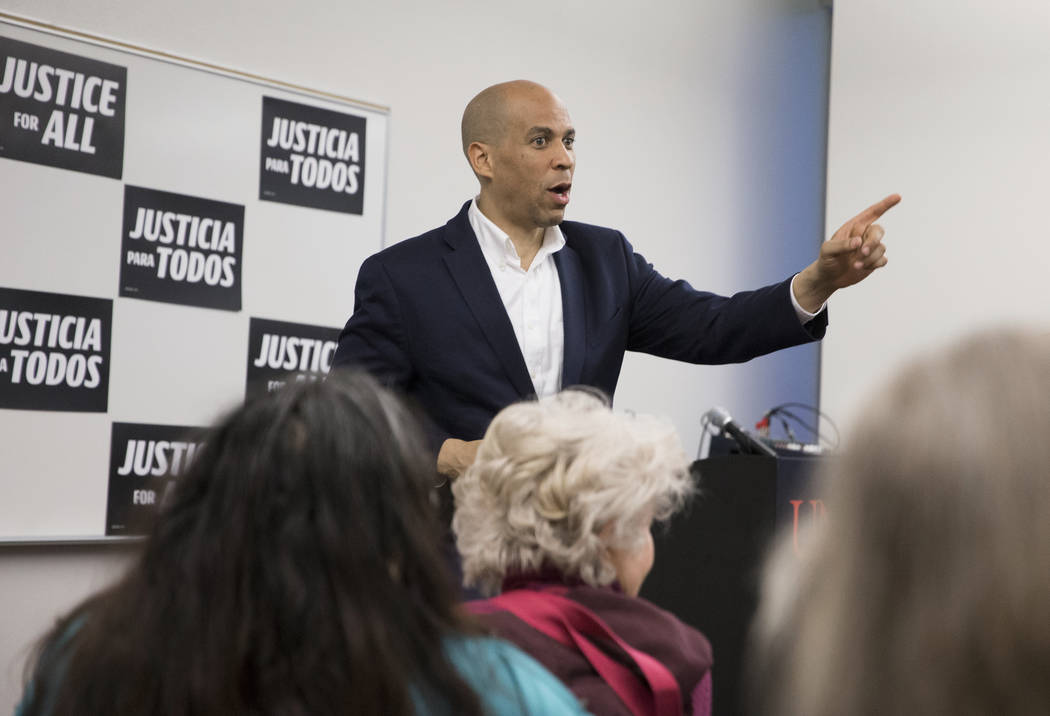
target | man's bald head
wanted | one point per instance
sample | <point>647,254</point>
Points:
<point>486,117</point>
<point>519,141</point>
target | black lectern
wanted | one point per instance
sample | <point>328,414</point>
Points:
<point>708,560</point>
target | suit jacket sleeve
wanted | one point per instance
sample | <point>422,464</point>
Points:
<point>374,339</point>
<point>673,320</point>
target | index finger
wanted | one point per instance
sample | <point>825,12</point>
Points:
<point>873,212</point>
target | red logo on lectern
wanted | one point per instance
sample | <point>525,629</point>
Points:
<point>816,513</point>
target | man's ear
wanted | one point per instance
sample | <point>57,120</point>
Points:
<point>480,158</point>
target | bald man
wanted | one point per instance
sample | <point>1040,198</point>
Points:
<point>508,300</point>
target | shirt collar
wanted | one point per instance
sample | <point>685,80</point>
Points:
<point>497,246</point>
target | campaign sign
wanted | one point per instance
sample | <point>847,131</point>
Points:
<point>181,249</point>
<point>312,157</point>
<point>279,352</point>
<point>145,461</point>
<point>54,351</point>
<point>61,110</point>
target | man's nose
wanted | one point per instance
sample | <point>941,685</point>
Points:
<point>565,158</point>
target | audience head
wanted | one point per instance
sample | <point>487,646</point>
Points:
<point>565,483</point>
<point>925,590</point>
<point>295,570</point>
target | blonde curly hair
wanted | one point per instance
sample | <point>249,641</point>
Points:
<point>551,475</point>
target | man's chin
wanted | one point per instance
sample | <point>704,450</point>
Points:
<point>554,217</point>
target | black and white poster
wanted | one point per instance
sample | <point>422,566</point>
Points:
<point>280,351</point>
<point>61,110</point>
<point>312,157</point>
<point>145,461</point>
<point>181,249</point>
<point>217,224</point>
<point>54,351</point>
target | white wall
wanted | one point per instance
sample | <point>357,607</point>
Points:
<point>700,132</point>
<point>947,103</point>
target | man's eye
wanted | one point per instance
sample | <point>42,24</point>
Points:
<point>539,141</point>
<point>570,142</point>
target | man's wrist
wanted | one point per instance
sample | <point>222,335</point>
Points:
<point>808,294</point>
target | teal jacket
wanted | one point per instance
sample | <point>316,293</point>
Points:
<point>508,681</point>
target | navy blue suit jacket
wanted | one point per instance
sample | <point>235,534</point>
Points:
<point>429,320</point>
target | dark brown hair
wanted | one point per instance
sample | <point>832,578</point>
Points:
<point>297,570</point>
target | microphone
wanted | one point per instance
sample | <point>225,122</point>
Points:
<point>720,418</point>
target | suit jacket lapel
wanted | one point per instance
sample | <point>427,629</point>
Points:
<point>474,279</point>
<point>570,273</point>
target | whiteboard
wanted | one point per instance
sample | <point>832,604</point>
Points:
<point>177,236</point>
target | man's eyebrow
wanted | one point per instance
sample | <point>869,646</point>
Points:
<point>571,131</point>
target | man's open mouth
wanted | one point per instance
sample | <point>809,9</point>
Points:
<point>561,192</point>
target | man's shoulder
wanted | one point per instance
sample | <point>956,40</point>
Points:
<point>596,245</point>
<point>418,247</point>
<point>579,231</point>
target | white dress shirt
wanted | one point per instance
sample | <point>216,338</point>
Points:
<point>533,298</point>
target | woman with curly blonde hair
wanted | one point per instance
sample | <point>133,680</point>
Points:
<point>555,516</point>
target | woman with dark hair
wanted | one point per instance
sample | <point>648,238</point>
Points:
<point>295,571</point>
